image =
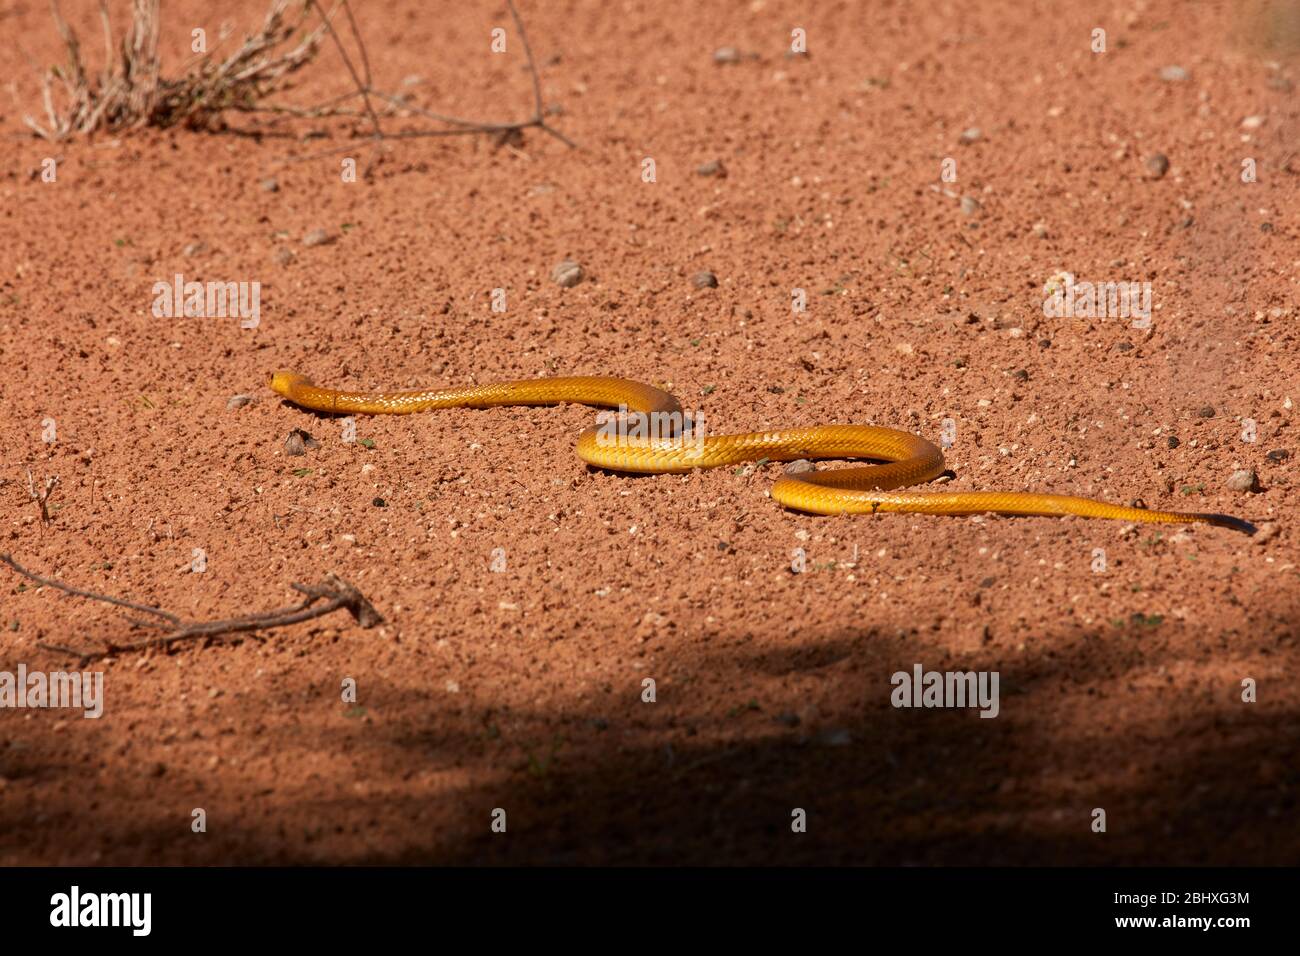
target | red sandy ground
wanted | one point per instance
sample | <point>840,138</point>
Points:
<point>522,690</point>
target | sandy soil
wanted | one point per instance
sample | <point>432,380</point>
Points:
<point>522,689</point>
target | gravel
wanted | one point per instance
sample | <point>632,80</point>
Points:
<point>1243,480</point>
<point>1157,165</point>
<point>567,274</point>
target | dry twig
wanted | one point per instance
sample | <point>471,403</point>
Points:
<point>501,133</point>
<point>332,590</point>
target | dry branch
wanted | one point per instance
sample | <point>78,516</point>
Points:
<point>332,590</point>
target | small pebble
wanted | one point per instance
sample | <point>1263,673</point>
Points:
<point>970,205</point>
<point>1173,74</point>
<point>1265,532</point>
<point>1021,375</point>
<point>298,442</point>
<point>713,167</point>
<point>317,237</point>
<point>567,274</point>
<point>1252,122</point>
<point>195,249</point>
<point>1278,455</point>
<point>1173,442</point>
<point>1124,346</point>
<point>1157,165</point>
<point>970,135</point>
<point>1243,479</point>
<point>1040,230</point>
<point>726,54</point>
<point>380,503</point>
<point>271,185</point>
<point>283,256</point>
<point>800,466</point>
<point>704,280</point>
<point>239,401</point>
<point>1207,412</point>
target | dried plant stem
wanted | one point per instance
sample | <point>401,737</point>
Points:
<point>41,495</point>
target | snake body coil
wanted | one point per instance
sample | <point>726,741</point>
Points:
<point>867,489</point>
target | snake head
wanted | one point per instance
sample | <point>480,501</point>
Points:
<point>283,383</point>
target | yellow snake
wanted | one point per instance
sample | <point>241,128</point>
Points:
<point>679,447</point>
